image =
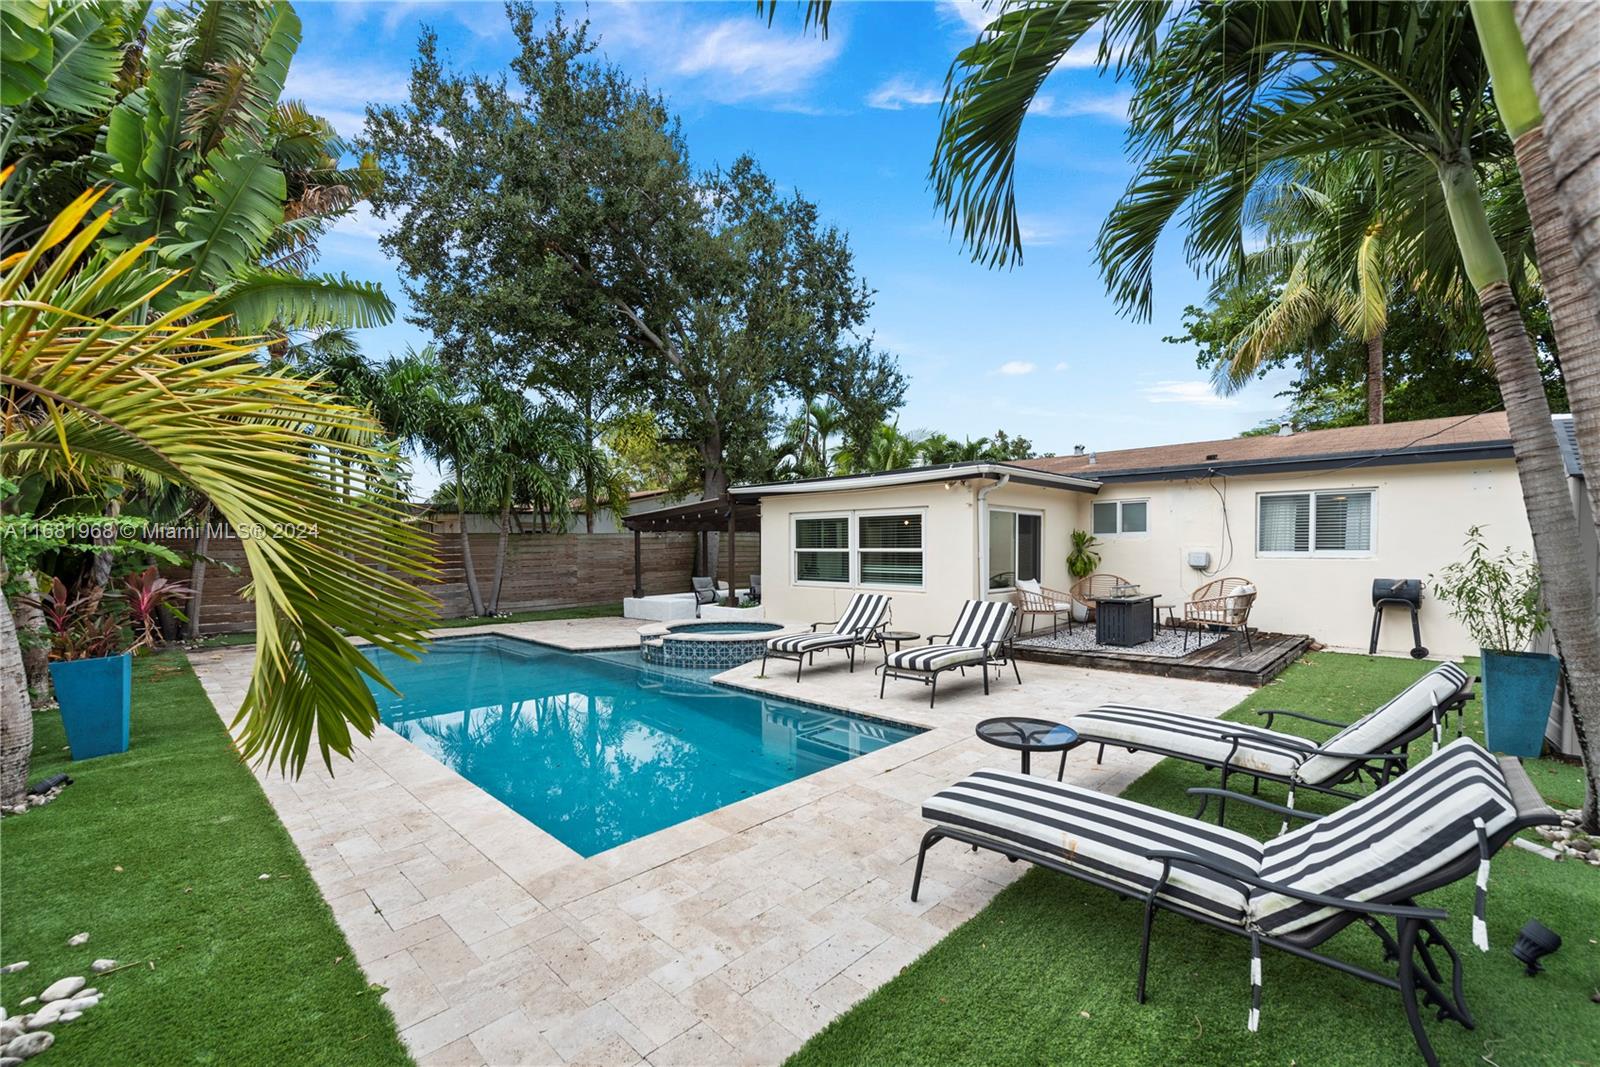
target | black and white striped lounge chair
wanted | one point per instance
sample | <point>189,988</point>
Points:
<point>1366,863</point>
<point>1374,745</point>
<point>863,617</point>
<point>981,638</point>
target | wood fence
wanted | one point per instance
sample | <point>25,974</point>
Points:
<point>542,571</point>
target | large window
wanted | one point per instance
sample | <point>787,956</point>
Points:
<point>1113,517</point>
<point>891,549</point>
<point>850,548</point>
<point>1015,545</point>
<point>822,549</point>
<point>1315,524</point>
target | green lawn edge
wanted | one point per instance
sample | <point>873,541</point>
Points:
<point>1045,973</point>
<point>157,853</point>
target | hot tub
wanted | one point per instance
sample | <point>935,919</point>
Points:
<point>706,645</point>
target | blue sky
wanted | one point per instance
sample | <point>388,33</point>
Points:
<point>850,122</point>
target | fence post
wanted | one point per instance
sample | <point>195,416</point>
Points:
<point>638,568</point>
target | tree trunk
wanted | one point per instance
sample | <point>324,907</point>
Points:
<point>467,568</point>
<point>501,538</point>
<point>100,573</point>
<point>16,711</point>
<point>34,637</point>
<point>1563,43</point>
<point>197,576</point>
<point>1556,543</point>
<point>1375,380</point>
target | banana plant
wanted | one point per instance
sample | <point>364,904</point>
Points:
<point>181,112</point>
<point>87,383</point>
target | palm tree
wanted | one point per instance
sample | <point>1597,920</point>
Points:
<point>887,450</point>
<point>430,411</point>
<point>1327,281</point>
<point>1228,95</point>
<point>85,385</point>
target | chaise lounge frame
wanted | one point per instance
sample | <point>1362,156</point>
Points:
<point>1416,930</point>
<point>841,640</point>
<point>1379,767</point>
<point>1002,657</point>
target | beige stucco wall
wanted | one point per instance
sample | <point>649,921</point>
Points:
<point>1420,518</point>
<point>949,572</point>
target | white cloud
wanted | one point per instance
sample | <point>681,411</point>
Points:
<point>1113,106</point>
<point>970,13</point>
<point>341,93</point>
<point>1017,366</point>
<point>1063,365</point>
<point>741,59</point>
<point>901,92</point>
<point>1039,230</point>
<point>1194,394</point>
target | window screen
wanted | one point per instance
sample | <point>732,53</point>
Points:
<point>1105,518</point>
<point>891,549</point>
<point>1284,523</point>
<point>1029,536</point>
<point>822,549</point>
<point>1002,549</point>
<point>1344,522</point>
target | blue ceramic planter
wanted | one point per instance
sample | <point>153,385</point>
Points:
<point>1518,689</point>
<point>96,698</point>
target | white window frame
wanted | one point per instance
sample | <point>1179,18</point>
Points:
<point>1119,531</point>
<point>856,549</point>
<point>848,551</point>
<point>1312,551</point>
<point>853,551</point>
<point>988,565</point>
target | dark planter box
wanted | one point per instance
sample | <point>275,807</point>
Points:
<point>96,698</point>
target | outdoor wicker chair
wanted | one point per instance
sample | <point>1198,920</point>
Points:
<point>864,616</point>
<point>1088,590</point>
<point>1034,600</point>
<point>1374,746</point>
<point>981,638</point>
<point>1363,864</point>
<point>1223,604</point>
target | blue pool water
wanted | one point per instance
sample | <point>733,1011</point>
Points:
<point>597,748</point>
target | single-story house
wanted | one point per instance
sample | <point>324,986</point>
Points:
<point>1311,519</point>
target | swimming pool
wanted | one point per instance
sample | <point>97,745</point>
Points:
<point>599,749</point>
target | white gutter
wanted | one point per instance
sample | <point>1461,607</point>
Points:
<point>917,475</point>
<point>983,534</point>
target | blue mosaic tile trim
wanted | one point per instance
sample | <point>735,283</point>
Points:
<point>700,654</point>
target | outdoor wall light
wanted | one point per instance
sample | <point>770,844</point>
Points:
<point>1535,942</point>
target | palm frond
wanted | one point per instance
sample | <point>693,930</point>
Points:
<point>258,297</point>
<point>331,558</point>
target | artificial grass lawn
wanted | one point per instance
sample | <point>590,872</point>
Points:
<point>157,853</point>
<point>587,611</point>
<point>1045,973</point>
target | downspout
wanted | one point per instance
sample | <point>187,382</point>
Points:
<point>983,535</point>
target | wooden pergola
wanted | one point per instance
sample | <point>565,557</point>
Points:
<point>728,514</point>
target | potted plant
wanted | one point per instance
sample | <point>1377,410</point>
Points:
<point>1082,561</point>
<point>91,655</point>
<point>1498,599</point>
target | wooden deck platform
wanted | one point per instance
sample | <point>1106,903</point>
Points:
<point>1225,661</point>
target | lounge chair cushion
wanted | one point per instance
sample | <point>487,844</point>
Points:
<point>983,623</point>
<point>1377,731</point>
<point>864,612</point>
<point>812,642</point>
<point>1386,845</point>
<point>934,657</point>
<point>1106,836</point>
<point>1193,737</point>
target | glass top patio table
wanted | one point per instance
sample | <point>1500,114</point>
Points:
<point>1029,736</point>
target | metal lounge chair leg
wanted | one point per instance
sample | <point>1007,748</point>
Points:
<point>883,681</point>
<point>850,654</point>
<point>1408,990</point>
<point>763,664</point>
<point>933,688</point>
<point>800,665</point>
<point>929,839</point>
<point>1015,671</point>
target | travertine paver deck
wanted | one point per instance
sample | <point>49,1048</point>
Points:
<point>727,939</point>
